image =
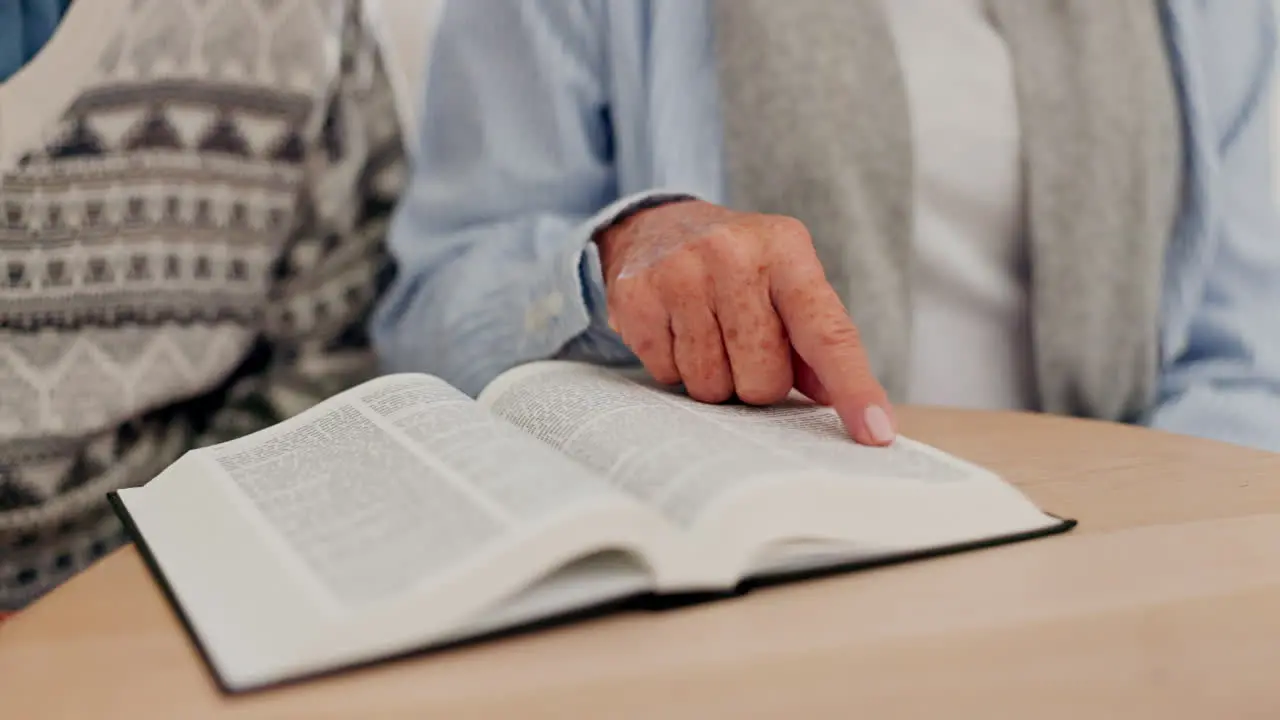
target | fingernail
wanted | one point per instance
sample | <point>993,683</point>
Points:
<point>878,424</point>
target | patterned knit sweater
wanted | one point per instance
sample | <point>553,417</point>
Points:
<point>190,239</point>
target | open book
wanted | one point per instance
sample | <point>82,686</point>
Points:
<point>402,515</point>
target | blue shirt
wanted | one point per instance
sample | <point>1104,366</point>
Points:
<point>545,118</point>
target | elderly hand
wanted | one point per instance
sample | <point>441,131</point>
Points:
<point>732,303</point>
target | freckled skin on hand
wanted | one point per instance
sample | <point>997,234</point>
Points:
<point>736,305</point>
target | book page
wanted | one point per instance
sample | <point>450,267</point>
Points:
<point>680,455</point>
<point>402,482</point>
<point>389,515</point>
<point>782,470</point>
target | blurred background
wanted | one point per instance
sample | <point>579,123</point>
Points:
<point>408,26</point>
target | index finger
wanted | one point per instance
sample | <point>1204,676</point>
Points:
<point>824,337</point>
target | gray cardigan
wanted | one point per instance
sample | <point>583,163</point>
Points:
<point>816,127</point>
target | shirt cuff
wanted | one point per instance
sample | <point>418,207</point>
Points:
<point>590,272</point>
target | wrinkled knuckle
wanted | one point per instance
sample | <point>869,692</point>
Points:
<point>840,337</point>
<point>708,379</point>
<point>712,393</point>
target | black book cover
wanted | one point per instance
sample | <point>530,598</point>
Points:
<point>642,603</point>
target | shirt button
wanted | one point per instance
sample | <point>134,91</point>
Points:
<point>540,313</point>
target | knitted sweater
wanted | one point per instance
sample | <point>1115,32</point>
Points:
<point>193,198</point>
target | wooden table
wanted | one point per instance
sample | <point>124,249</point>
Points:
<point>1164,603</point>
